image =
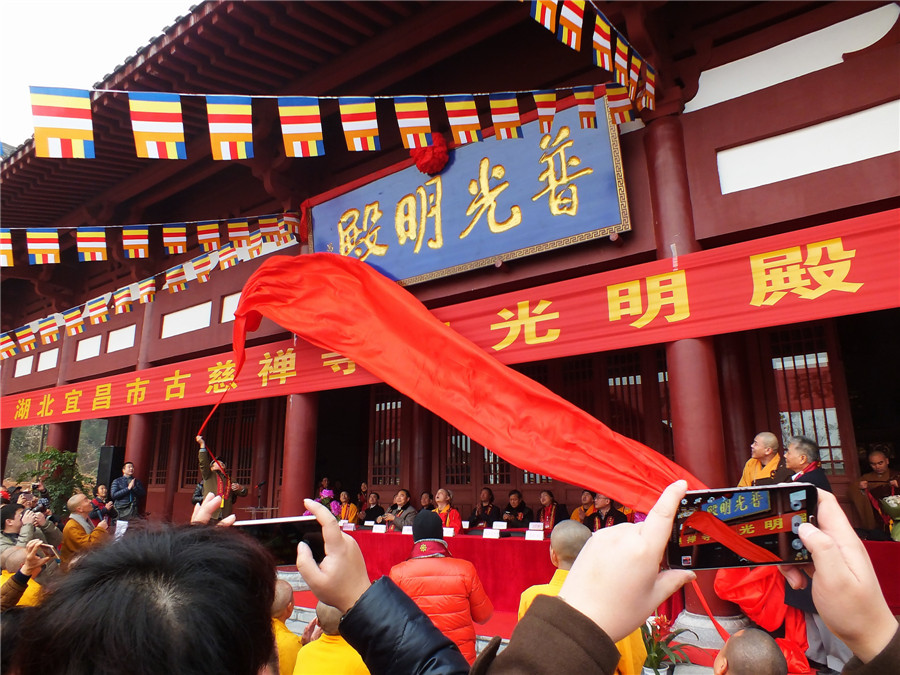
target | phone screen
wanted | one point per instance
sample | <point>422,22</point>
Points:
<point>742,527</point>
<point>281,536</point>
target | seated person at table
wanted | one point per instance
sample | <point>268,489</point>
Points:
<point>374,511</point>
<point>486,512</point>
<point>449,516</point>
<point>447,589</point>
<point>566,542</point>
<point>348,510</point>
<point>586,508</point>
<point>426,501</point>
<point>516,513</point>
<point>362,497</point>
<point>551,512</point>
<point>401,513</point>
<point>605,515</point>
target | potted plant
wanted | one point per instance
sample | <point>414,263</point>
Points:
<point>662,655</point>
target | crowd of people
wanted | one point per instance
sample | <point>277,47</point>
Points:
<point>200,598</point>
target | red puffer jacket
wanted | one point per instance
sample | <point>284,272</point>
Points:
<point>449,591</point>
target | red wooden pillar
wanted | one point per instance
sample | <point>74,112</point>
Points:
<point>420,452</point>
<point>137,446</point>
<point>693,377</point>
<point>5,439</point>
<point>173,463</point>
<point>64,436</point>
<point>299,463</point>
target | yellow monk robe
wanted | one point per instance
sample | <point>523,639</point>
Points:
<point>631,648</point>
<point>288,645</point>
<point>580,515</point>
<point>32,594</point>
<point>754,470</point>
<point>328,655</point>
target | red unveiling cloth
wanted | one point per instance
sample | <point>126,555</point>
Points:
<point>341,304</point>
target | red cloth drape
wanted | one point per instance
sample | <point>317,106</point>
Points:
<point>341,304</point>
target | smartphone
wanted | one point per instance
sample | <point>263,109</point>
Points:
<point>49,551</point>
<point>742,527</point>
<point>281,536</point>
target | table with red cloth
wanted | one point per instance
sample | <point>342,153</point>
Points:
<point>506,566</point>
<point>884,556</point>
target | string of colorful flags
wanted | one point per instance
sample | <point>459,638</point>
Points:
<point>63,125</point>
<point>243,244</point>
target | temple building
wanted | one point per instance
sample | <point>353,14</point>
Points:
<point>711,256</point>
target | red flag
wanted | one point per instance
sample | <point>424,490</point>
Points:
<point>341,304</point>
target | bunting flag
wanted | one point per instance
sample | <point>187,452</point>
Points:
<point>208,235</point>
<point>123,300</point>
<point>43,246</point>
<point>62,122</point>
<point>91,242</point>
<point>505,115</point>
<point>289,224</point>
<point>619,104</point>
<point>175,239</point>
<point>74,319</point>
<point>239,231</point>
<point>269,229</point>
<point>603,56</point>
<point>544,12</point>
<point>157,124</point>
<point>48,327</point>
<point>203,265</point>
<point>176,279</point>
<point>648,97</point>
<point>6,253</point>
<point>545,103</point>
<point>254,245</point>
<point>228,256</point>
<point>463,115</point>
<point>230,126</point>
<point>621,61</point>
<point>413,120</point>
<point>634,74</point>
<point>136,241</point>
<point>7,346</point>
<point>98,309</point>
<point>570,20</point>
<point>26,338</point>
<point>147,290</point>
<point>301,126</point>
<point>587,108</point>
<point>360,122</point>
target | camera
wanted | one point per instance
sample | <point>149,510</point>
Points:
<point>41,508</point>
<point>35,486</point>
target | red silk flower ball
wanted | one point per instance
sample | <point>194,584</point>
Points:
<point>433,158</point>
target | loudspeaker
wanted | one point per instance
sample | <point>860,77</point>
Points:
<point>109,467</point>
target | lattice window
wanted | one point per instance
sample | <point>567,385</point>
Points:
<point>578,383</point>
<point>806,401</point>
<point>162,431</point>
<point>625,396</point>
<point>242,463</point>
<point>456,451</point>
<point>386,436</point>
<point>496,471</point>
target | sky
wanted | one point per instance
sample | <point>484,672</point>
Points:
<point>67,43</point>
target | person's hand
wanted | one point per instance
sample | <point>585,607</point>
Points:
<point>894,483</point>
<point>845,591</point>
<point>616,581</point>
<point>341,577</point>
<point>863,485</point>
<point>108,506</point>
<point>103,525</point>
<point>23,499</point>
<point>33,561</point>
<point>40,519</point>
<point>201,442</point>
<point>313,631</point>
<point>28,517</point>
<point>131,484</point>
<point>389,517</point>
<point>236,487</point>
<point>207,509</point>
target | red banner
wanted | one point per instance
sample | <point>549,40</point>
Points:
<point>838,269</point>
